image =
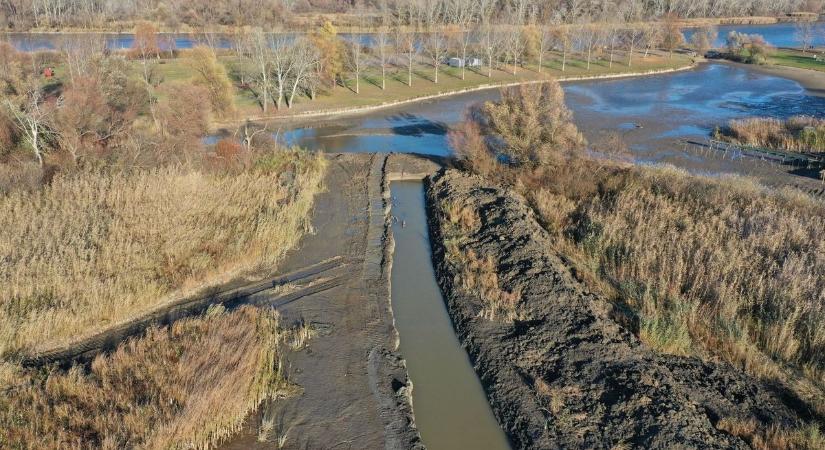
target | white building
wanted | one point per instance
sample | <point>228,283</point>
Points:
<point>469,62</point>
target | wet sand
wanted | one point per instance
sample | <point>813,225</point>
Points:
<point>812,80</point>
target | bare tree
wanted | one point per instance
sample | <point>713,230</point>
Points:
<point>514,40</point>
<point>463,14</point>
<point>382,50</point>
<point>32,118</point>
<point>491,40</point>
<point>563,42</point>
<point>633,39</point>
<point>611,37</point>
<point>589,36</point>
<point>546,37</point>
<point>306,58</point>
<point>356,57</point>
<point>651,37</point>
<point>804,34</point>
<point>261,54</point>
<point>408,47</point>
<point>672,37</point>
<point>435,46</point>
<point>80,52</point>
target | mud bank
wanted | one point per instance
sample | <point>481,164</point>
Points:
<point>564,374</point>
<point>813,81</point>
<point>355,392</point>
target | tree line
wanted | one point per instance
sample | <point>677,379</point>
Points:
<point>172,14</point>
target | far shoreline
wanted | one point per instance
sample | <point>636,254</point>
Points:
<point>813,81</point>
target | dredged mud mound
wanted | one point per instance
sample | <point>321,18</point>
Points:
<point>564,374</point>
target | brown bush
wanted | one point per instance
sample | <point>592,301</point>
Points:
<point>531,125</point>
<point>8,133</point>
<point>211,75</point>
<point>184,116</point>
<point>186,386</point>
<point>797,134</point>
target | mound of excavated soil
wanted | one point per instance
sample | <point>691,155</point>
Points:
<point>564,374</point>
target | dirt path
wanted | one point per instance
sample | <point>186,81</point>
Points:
<point>564,374</point>
<point>355,391</point>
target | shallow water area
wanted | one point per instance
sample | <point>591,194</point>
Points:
<point>451,409</point>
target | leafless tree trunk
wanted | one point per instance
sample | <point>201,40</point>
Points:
<point>261,58</point>
<point>463,13</point>
<point>282,62</point>
<point>382,44</point>
<point>306,59</point>
<point>804,33</point>
<point>32,120</point>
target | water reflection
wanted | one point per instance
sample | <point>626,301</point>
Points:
<point>651,112</point>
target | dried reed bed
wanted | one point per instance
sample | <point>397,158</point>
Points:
<point>96,249</point>
<point>710,264</point>
<point>797,134</point>
<point>185,386</point>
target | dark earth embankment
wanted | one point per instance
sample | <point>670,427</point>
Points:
<point>564,373</point>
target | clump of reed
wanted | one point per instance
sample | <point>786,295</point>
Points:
<point>94,249</point>
<point>190,385</point>
<point>477,275</point>
<point>797,134</point>
<point>772,438</point>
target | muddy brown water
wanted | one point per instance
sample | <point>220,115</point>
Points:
<point>451,408</point>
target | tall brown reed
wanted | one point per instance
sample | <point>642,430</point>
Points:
<point>95,249</point>
<point>186,386</point>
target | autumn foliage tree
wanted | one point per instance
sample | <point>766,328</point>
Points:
<point>183,118</point>
<point>332,52</point>
<point>145,46</point>
<point>211,75</point>
<point>529,127</point>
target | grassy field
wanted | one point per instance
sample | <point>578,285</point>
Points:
<point>187,386</point>
<point>95,249</point>
<point>795,58</point>
<point>449,80</point>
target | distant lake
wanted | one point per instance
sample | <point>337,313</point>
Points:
<point>778,35</point>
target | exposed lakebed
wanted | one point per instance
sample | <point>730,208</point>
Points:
<point>652,114</point>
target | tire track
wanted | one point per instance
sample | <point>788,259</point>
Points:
<point>85,350</point>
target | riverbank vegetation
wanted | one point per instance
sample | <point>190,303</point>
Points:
<point>93,249</point>
<point>112,205</point>
<point>714,267</point>
<point>797,134</point>
<point>254,73</point>
<point>185,386</point>
<point>103,14</point>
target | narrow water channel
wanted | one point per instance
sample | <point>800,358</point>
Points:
<point>451,409</point>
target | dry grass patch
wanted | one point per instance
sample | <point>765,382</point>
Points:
<point>96,249</point>
<point>186,386</point>
<point>773,438</point>
<point>477,274</point>
<point>797,134</point>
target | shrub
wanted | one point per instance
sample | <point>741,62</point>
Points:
<point>211,74</point>
<point>186,386</point>
<point>797,134</point>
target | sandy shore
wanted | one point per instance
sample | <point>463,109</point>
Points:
<point>812,80</point>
